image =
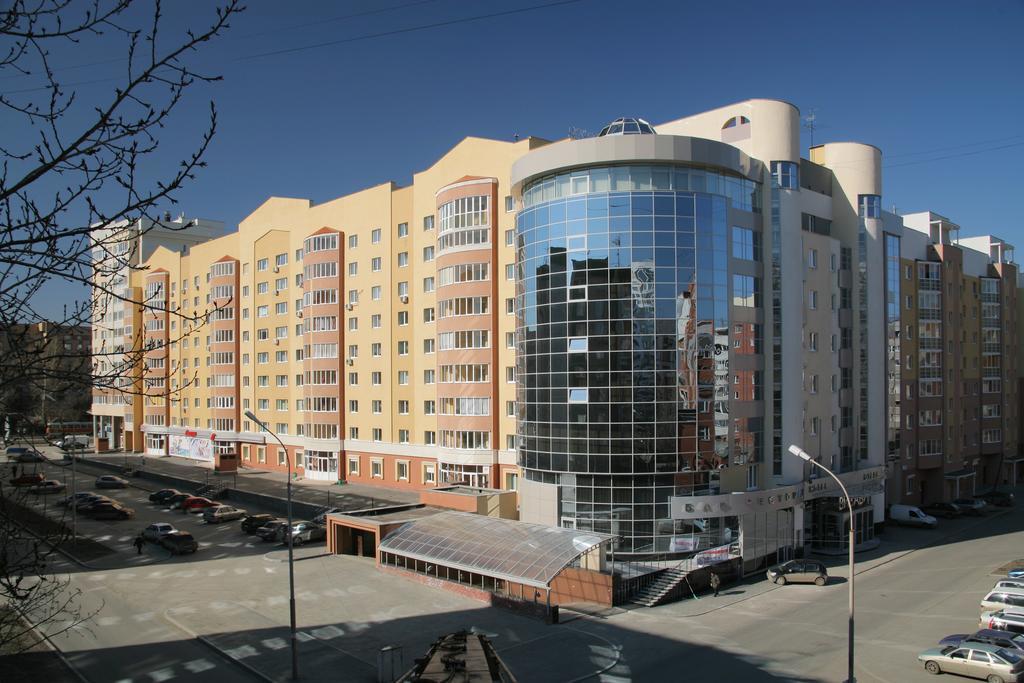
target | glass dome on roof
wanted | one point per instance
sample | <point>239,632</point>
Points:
<point>627,126</point>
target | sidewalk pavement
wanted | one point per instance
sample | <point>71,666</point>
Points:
<point>320,493</point>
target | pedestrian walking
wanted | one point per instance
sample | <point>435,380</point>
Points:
<point>715,583</point>
<point>139,542</point>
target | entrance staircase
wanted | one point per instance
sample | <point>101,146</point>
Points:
<point>664,588</point>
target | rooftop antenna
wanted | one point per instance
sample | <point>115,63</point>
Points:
<point>810,123</point>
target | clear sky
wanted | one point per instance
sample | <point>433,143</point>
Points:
<point>936,85</point>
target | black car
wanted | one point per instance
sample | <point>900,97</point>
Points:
<point>90,502</point>
<point>268,532</point>
<point>945,510</point>
<point>162,495</point>
<point>176,499</point>
<point>1008,640</point>
<point>179,542</point>
<point>1003,499</point>
<point>253,522</point>
<point>110,510</point>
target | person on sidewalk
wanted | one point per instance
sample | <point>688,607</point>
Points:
<point>139,542</point>
<point>715,583</point>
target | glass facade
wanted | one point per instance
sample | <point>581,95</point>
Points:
<point>892,331</point>
<point>624,340</point>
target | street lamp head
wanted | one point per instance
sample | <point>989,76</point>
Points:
<point>252,416</point>
<point>799,452</point>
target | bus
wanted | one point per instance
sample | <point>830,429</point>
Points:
<point>58,429</point>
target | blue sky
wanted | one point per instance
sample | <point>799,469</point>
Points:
<point>936,85</point>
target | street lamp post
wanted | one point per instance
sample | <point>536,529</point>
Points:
<point>801,453</point>
<point>291,565</point>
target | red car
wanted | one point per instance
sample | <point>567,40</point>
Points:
<point>28,479</point>
<point>197,504</point>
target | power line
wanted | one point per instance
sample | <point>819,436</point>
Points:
<point>944,149</point>
<point>410,29</point>
<point>954,156</point>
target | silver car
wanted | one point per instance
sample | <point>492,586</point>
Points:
<point>154,532</point>
<point>222,513</point>
<point>988,662</point>
<point>302,532</point>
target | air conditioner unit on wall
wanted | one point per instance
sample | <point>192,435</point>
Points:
<point>349,361</point>
<point>349,307</point>
<point>404,299</point>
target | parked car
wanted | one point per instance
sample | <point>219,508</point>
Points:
<point>110,510</point>
<point>48,486</point>
<point>179,542</point>
<point>196,504</point>
<point>302,532</point>
<point>1003,620</point>
<point>109,481</point>
<point>970,506</point>
<point>73,442</point>
<point>1003,499</point>
<point>1000,598</point>
<point>28,456</point>
<point>75,498</point>
<point>1015,574</point>
<point>222,513</point>
<point>1008,640</point>
<point>154,532</point>
<point>1009,583</point>
<point>988,662</point>
<point>28,479</point>
<point>322,517</point>
<point>944,510</point>
<point>175,501</point>
<point>92,499</point>
<point>799,571</point>
<point>268,532</point>
<point>253,522</point>
<point>911,515</point>
<point>162,495</point>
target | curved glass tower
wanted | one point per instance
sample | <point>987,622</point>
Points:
<point>638,346</point>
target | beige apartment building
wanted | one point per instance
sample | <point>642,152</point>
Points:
<point>628,329</point>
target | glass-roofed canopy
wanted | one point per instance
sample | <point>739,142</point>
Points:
<point>530,554</point>
<point>627,126</point>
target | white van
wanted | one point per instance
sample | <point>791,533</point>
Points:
<point>74,442</point>
<point>1003,598</point>
<point>911,515</point>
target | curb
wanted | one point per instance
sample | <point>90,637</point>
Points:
<point>223,654</point>
<point>48,644</point>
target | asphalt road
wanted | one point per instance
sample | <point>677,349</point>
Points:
<point>182,618</point>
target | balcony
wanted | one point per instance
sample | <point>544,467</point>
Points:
<point>929,462</point>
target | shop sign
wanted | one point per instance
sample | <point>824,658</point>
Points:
<point>712,556</point>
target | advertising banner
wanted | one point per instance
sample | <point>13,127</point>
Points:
<point>190,447</point>
<point>712,556</point>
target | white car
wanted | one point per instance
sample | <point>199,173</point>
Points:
<point>154,532</point>
<point>222,513</point>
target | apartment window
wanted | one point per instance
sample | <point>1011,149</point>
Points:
<point>375,292</point>
<point>281,308</point>
<point>376,263</point>
<point>510,306</point>
<point>428,222</point>
<point>376,378</point>
<point>353,406</point>
<point>910,303</point>
<point>403,377</point>
<point>375,321</point>
<point>786,174</point>
<point>814,384</point>
<point>376,464</point>
<point>262,311</point>
<point>812,341</point>
<point>403,317</point>
<point>403,259</point>
<point>378,434</point>
<point>510,374</point>
<point>812,259</point>
<point>281,260</point>
<point>428,284</point>
<point>375,236</point>
<point>403,407</point>
<point>353,465</point>
<point>377,407</point>
<point>261,452</point>
<point>353,241</point>
<point>429,471</point>
<point>428,376</point>
<point>812,299</point>
<point>353,269</point>
<point>870,205</point>
<point>353,379</point>
<point>510,340</point>
<point>261,265</point>
<point>510,204</point>
<point>510,238</point>
<point>430,438</point>
<point>510,408</point>
<point>403,229</point>
<point>403,348</point>
<point>375,349</point>
<point>429,407</point>
<point>428,253</point>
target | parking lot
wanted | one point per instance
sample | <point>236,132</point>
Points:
<point>215,540</point>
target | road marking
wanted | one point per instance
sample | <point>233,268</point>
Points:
<point>199,665</point>
<point>274,643</point>
<point>159,675</point>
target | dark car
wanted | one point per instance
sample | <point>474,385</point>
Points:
<point>1003,499</point>
<point>799,571</point>
<point>87,502</point>
<point>179,542</point>
<point>945,510</point>
<point>109,481</point>
<point>253,522</point>
<point>970,506</point>
<point>175,501</point>
<point>75,499</point>
<point>162,495</point>
<point>110,510</point>
<point>28,456</point>
<point>1008,640</point>
<point>268,532</point>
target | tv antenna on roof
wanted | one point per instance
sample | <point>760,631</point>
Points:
<point>810,123</point>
